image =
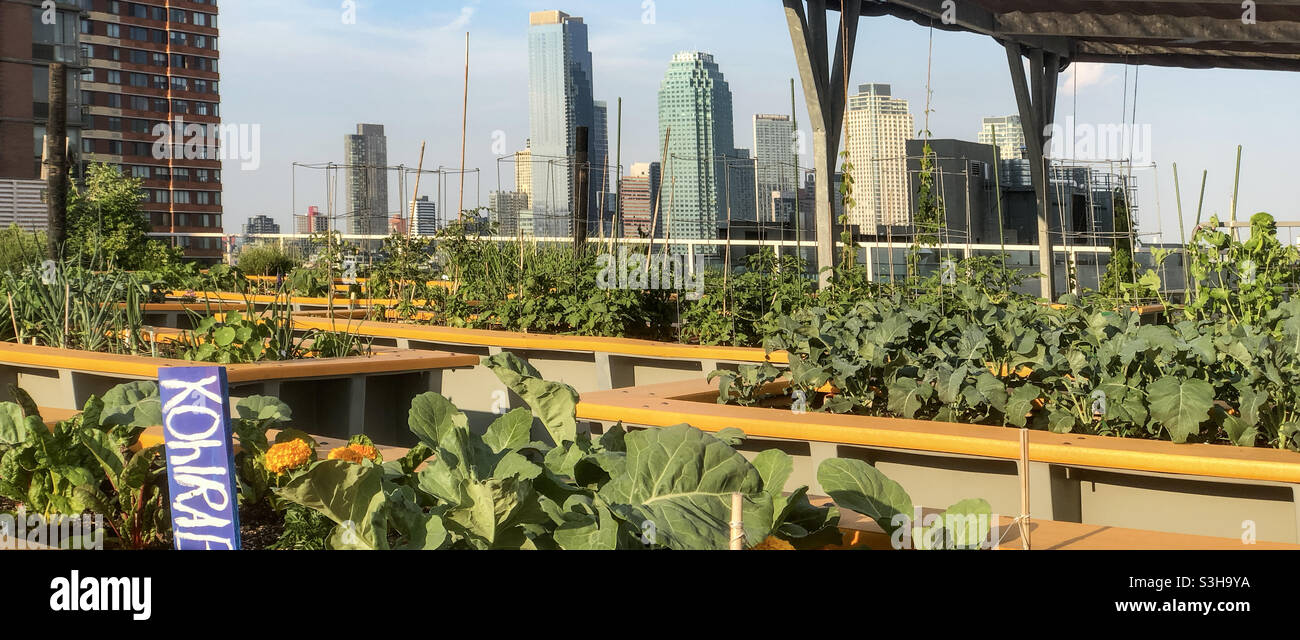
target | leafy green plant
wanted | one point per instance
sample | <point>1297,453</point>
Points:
<point>62,304</point>
<point>88,462</point>
<point>1081,367</point>
<point>265,260</point>
<point>664,488</point>
<point>1241,281</point>
<point>860,487</point>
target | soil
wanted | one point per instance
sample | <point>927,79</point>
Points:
<point>259,526</point>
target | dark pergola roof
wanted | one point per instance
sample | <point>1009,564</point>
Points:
<point>1203,34</point>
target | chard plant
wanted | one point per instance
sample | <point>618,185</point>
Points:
<point>90,462</point>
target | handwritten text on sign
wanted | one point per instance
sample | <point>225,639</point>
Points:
<point>200,463</point>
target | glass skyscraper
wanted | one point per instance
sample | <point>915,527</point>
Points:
<point>560,100</point>
<point>706,177</point>
<point>367,180</point>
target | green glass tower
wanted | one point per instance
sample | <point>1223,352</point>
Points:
<point>705,177</point>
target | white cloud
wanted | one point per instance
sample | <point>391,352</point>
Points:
<point>461,21</point>
<point>1084,75</point>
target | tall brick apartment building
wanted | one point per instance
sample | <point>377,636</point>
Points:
<point>138,64</point>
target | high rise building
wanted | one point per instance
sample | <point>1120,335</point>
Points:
<point>639,193</point>
<point>366,157</point>
<point>524,171</point>
<point>27,47</point>
<point>774,156</point>
<point>560,99</point>
<point>695,102</point>
<point>878,126</point>
<point>261,223</point>
<point>312,222</point>
<point>424,216</point>
<point>1009,139</point>
<point>741,204</point>
<point>506,207</point>
<point>139,73</point>
<point>602,176</point>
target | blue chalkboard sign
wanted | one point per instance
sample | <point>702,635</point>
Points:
<point>200,460</point>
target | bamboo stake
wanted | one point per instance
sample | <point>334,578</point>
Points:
<point>1182,237</point>
<point>737,522</point>
<point>1024,489</point>
<point>67,308</point>
<point>1236,182</point>
<point>663,166</point>
<point>1201,205</point>
<point>419,169</point>
<point>464,119</point>
<point>17,336</point>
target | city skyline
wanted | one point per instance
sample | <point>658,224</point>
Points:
<point>630,56</point>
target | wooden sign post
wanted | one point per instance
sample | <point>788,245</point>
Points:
<point>200,459</point>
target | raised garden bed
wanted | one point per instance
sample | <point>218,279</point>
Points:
<point>1198,489</point>
<point>335,397</point>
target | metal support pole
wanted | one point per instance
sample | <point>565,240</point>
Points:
<point>1037,113</point>
<point>824,93</point>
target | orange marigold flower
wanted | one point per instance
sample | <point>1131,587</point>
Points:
<point>355,453</point>
<point>365,451</point>
<point>287,455</point>
<point>773,543</point>
<point>345,453</point>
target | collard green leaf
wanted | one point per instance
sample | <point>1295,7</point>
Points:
<point>264,408</point>
<point>681,479</point>
<point>775,467</point>
<point>351,495</point>
<point>964,525</point>
<point>134,404</point>
<point>510,431</point>
<point>1180,406</point>
<point>858,486</point>
<point>554,403</point>
<point>1021,404</point>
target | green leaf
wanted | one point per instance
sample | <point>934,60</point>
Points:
<point>107,449</point>
<point>1021,404</point>
<point>349,494</point>
<point>907,396</point>
<point>587,525</point>
<point>24,400</point>
<point>264,408</point>
<point>858,486</point>
<point>439,424</point>
<point>134,404</point>
<point>775,467</point>
<point>613,439</point>
<point>554,403</point>
<point>224,337</point>
<point>964,525</point>
<point>13,426</point>
<point>731,435</point>
<point>510,431</point>
<point>681,479</point>
<point>288,435</point>
<point>1180,406</point>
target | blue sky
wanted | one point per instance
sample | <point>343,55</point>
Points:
<point>297,70</point>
